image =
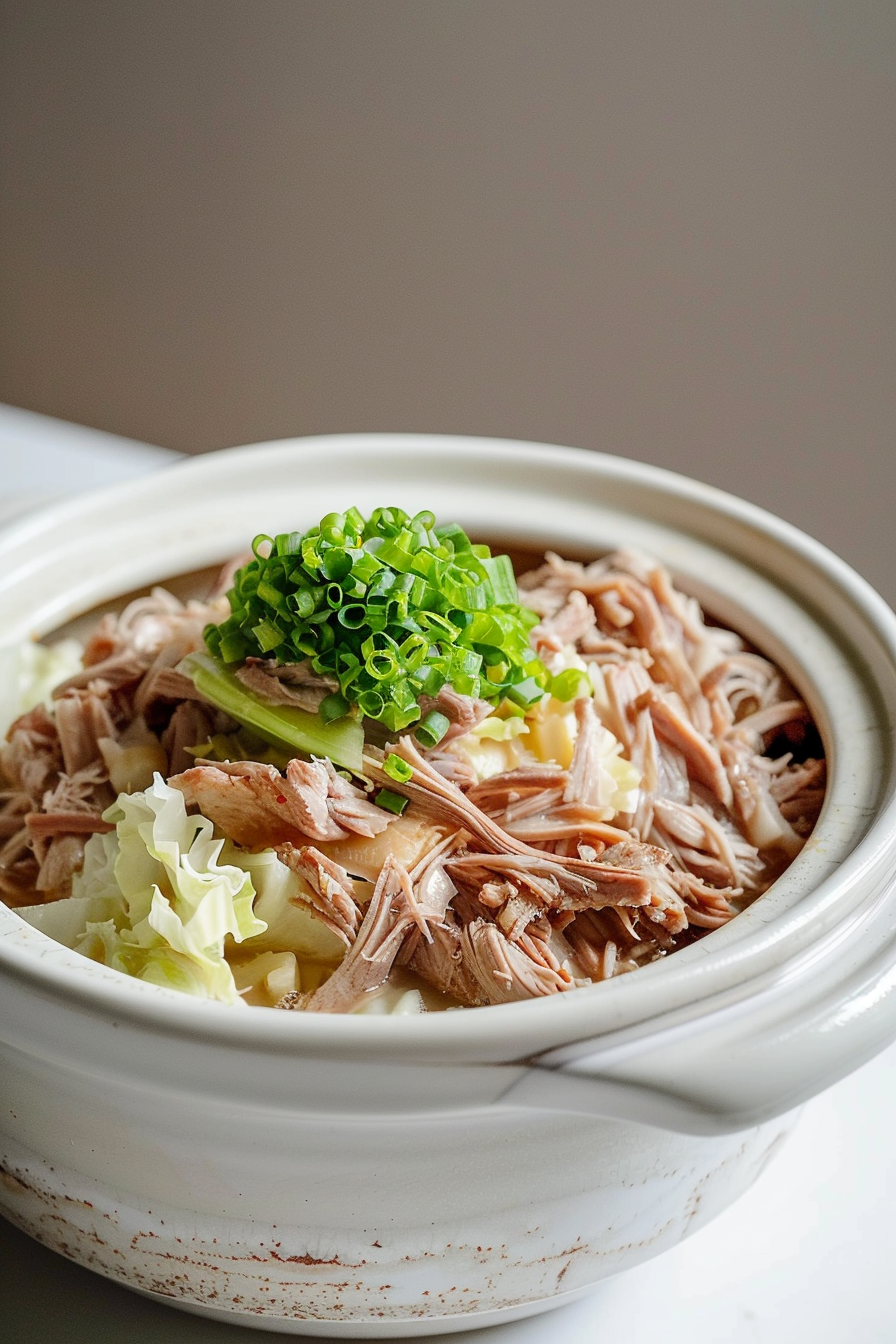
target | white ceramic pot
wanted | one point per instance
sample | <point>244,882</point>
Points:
<point>397,1176</point>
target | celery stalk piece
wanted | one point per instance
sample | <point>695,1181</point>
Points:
<point>286,726</point>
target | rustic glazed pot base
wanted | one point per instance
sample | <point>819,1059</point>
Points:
<point>287,1279</point>
<point>386,1328</point>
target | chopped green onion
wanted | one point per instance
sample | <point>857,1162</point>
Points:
<point>269,635</point>
<point>392,802</point>
<point>392,608</point>
<point>234,647</point>
<point>397,768</point>
<point>372,704</point>
<point>337,564</point>
<point>352,616</point>
<point>571,684</point>
<point>525,692</point>
<point>432,728</point>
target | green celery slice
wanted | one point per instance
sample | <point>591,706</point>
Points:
<point>286,726</point>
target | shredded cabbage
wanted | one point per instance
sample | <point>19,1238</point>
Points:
<point>618,780</point>
<point>158,897</point>
<point>500,730</point>
<point>176,903</point>
<point>547,735</point>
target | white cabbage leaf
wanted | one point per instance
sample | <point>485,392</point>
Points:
<point>289,925</point>
<point>162,899</point>
<point>175,903</point>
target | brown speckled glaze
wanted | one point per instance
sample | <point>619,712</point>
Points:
<point>367,1280</point>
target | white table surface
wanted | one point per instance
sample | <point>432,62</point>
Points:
<point>806,1255</point>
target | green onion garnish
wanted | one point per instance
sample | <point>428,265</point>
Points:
<point>392,802</point>
<point>397,768</point>
<point>392,608</point>
<point>571,683</point>
<point>526,692</point>
<point>432,728</point>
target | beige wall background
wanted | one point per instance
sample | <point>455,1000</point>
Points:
<point>665,230</point>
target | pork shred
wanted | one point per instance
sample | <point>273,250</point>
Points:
<point>127,714</point>
<point>493,886</point>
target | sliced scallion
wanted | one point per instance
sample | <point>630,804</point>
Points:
<point>392,802</point>
<point>570,684</point>
<point>397,768</point>
<point>432,728</point>
<point>392,608</point>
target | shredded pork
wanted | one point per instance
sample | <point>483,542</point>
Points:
<point>525,878</point>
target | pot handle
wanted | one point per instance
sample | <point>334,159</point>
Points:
<point>728,1070</point>
<point>558,1090</point>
